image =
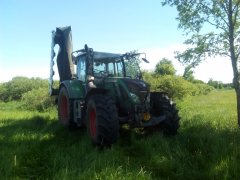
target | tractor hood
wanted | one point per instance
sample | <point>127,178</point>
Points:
<point>63,37</point>
<point>128,87</point>
<point>137,87</point>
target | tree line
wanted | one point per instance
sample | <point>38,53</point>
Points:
<point>164,78</point>
<point>32,93</point>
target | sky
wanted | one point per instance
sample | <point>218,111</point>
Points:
<point>106,25</point>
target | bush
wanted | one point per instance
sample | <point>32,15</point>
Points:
<point>3,92</point>
<point>203,89</point>
<point>37,99</point>
<point>14,89</point>
<point>175,86</point>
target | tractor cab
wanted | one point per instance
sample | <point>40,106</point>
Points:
<point>104,64</point>
<point>99,68</point>
<point>99,65</point>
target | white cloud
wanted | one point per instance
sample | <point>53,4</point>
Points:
<point>218,68</point>
<point>154,55</point>
<point>7,75</point>
<point>39,67</point>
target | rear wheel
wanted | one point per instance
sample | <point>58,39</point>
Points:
<point>65,109</point>
<point>162,105</point>
<point>102,120</point>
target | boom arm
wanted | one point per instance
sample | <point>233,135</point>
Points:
<point>50,81</point>
<point>62,37</point>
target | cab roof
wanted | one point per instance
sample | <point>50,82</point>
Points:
<point>102,56</point>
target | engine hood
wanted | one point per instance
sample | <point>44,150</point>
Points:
<point>137,87</point>
<point>136,84</point>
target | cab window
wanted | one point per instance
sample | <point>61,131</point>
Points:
<point>81,69</point>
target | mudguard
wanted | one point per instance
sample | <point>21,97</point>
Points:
<point>76,89</point>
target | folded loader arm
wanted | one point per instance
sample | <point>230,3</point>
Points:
<point>62,37</point>
<point>50,81</point>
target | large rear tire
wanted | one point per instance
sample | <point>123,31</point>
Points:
<point>102,122</point>
<point>65,108</point>
<point>162,105</point>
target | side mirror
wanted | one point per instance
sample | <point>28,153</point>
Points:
<point>145,60</point>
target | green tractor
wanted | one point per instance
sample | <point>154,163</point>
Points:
<point>105,94</point>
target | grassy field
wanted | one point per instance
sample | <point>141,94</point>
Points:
<point>34,146</point>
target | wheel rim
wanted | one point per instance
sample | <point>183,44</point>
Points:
<point>92,121</point>
<point>64,109</point>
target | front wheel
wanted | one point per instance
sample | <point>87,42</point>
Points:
<point>162,105</point>
<point>65,109</point>
<point>102,120</point>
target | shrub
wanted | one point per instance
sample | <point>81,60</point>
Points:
<point>37,99</point>
<point>175,86</point>
<point>14,89</point>
<point>203,89</point>
<point>3,92</point>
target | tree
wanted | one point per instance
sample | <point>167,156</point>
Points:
<point>165,67</point>
<point>215,84</point>
<point>188,73</point>
<point>197,18</point>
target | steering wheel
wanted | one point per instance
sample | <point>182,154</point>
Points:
<point>101,73</point>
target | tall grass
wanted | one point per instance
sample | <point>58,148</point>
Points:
<point>34,146</point>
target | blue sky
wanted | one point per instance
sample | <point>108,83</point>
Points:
<point>106,25</point>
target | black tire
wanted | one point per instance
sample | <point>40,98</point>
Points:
<point>162,105</point>
<point>102,122</point>
<point>65,109</point>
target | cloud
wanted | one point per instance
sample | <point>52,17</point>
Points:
<point>218,68</point>
<point>7,75</point>
<point>36,67</point>
<point>154,55</point>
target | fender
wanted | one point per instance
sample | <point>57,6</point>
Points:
<point>76,89</point>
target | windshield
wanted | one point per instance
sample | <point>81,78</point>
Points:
<point>108,68</point>
<point>132,68</point>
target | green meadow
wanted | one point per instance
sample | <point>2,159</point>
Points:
<point>34,145</point>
